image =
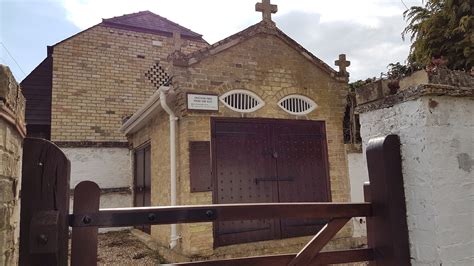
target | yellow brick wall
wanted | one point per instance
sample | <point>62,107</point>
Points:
<point>271,69</point>
<point>99,78</point>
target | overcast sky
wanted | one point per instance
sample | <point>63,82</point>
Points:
<point>368,31</point>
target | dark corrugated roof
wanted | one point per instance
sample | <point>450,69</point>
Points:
<point>146,21</point>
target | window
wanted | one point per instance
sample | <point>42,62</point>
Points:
<point>297,104</point>
<point>242,101</point>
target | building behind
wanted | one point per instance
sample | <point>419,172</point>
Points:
<point>89,83</point>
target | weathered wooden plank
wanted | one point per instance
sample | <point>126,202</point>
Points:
<point>311,250</point>
<point>44,204</point>
<point>222,212</point>
<point>84,239</point>
<point>330,257</point>
<point>388,225</point>
<point>200,166</point>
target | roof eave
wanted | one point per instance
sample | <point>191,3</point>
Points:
<point>143,115</point>
<point>110,24</point>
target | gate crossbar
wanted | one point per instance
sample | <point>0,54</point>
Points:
<point>223,212</point>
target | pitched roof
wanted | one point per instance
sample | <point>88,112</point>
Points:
<point>146,21</point>
<point>259,28</point>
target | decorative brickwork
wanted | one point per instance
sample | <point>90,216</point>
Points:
<point>157,75</point>
<point>12,132</point>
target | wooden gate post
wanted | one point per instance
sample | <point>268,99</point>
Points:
<point>44,204</point>
<point>84,239</point>
<point>387,231</point>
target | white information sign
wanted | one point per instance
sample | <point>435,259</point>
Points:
<point>203,102</point>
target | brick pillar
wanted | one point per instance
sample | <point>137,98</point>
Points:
<point>12,132</point>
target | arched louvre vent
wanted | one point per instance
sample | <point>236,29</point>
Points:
<point>242,101</point>
<point>297,104</point>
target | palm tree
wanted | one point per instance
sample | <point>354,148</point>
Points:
<point>442,28</point>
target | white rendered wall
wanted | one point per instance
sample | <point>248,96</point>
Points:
<point>108,167</point>
<point>357,176</point>
<point>437,137</point>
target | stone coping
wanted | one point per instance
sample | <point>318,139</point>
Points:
<point>413,93</point>
<point>12,101</point>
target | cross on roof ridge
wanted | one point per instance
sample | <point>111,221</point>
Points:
<point>267,9</point>
<point>342,63</point>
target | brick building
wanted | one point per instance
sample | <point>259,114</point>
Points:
<point>256,118</point>
<point>253,118</point>
<point>88,83</point>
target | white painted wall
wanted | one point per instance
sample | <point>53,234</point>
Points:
<point>108,167</point>
<point>438,168</point>
<point>358,175</point>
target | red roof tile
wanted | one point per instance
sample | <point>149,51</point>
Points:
<point>146,21</point>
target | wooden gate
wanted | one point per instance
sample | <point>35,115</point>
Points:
<point>44,204</point>
<point>267,160</point>
<point>385,211</point>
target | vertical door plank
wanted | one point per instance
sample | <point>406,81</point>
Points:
<point>242,155</point>
<point>147,183</point>
<point>302,170</point>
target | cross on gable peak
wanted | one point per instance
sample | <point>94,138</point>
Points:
<point>342,63</point>
<point>267,9</point>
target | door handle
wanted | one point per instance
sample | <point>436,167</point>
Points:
<point>273,179</point>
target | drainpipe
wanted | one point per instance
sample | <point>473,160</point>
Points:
<point>163,93</point>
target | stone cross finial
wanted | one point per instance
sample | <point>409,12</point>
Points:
<point>342,63</point>
<point>177,40</point>
<point>267,9</point>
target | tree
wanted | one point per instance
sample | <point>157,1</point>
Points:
<point>442,28</point>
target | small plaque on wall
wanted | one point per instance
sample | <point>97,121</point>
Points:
<point>202,102</point>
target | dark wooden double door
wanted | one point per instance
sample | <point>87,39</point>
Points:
<point>142,180</point>
<point>256,160</point>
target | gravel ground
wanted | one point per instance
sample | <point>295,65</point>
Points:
<point>122,248</point>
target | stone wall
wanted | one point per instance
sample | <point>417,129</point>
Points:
<point>12,132</point>
<point>435,123</point>
<point>250,65</point>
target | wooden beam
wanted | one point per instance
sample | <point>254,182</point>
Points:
<point>387,228</point>
<point>221,212</point>
<point>311,250</point>
<point>330,257</point>
<point>84,239</point>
